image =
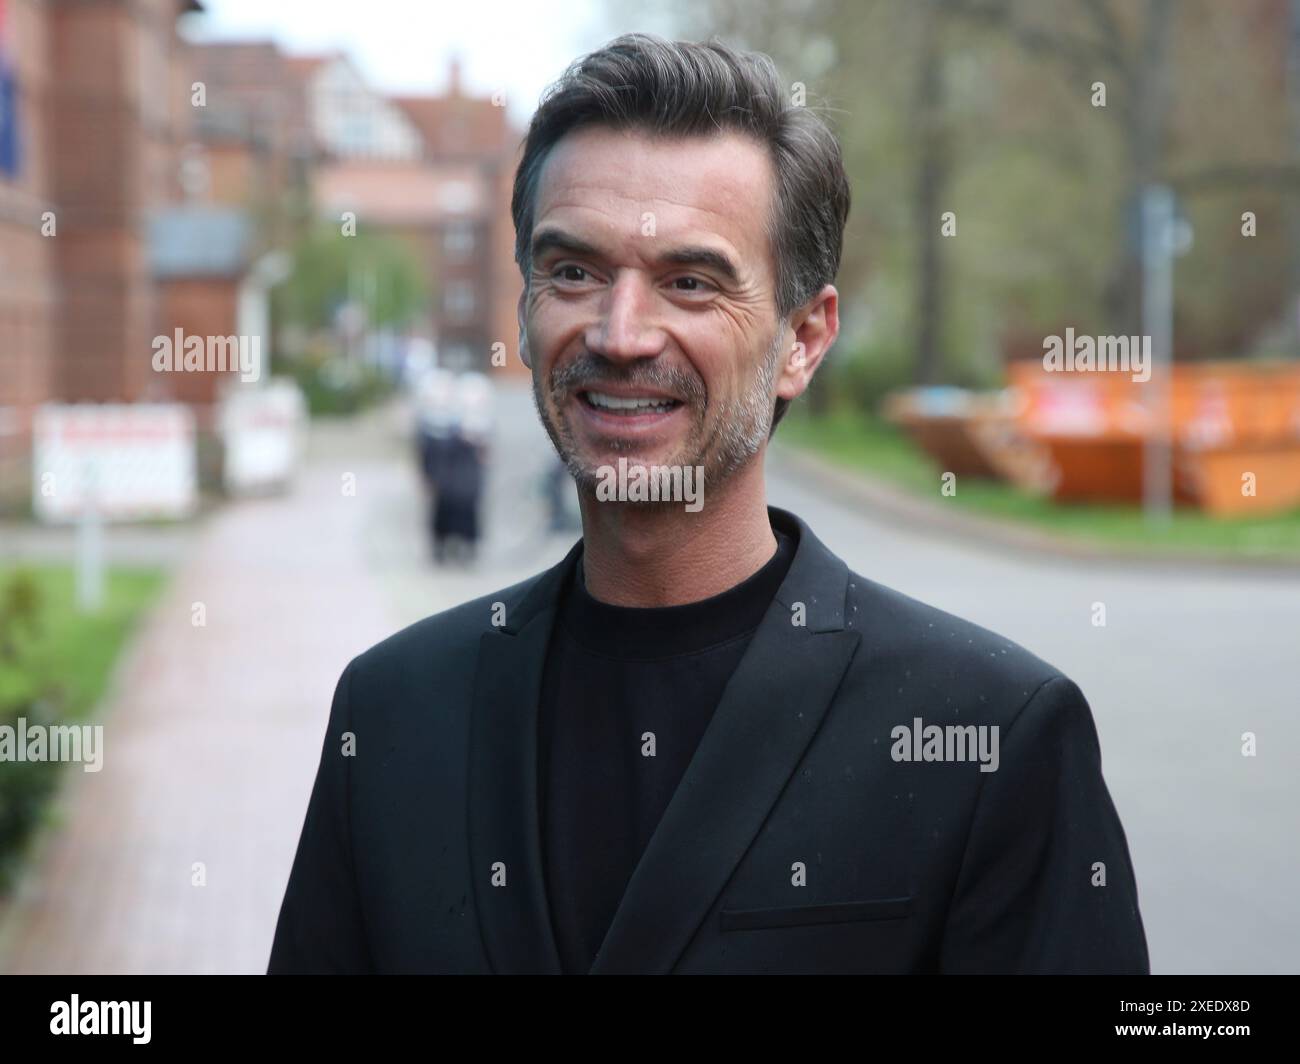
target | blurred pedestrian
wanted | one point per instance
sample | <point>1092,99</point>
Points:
<point>459,470</point>
<point>436,418</point>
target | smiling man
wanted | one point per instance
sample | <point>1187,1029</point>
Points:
<point>699,743</point>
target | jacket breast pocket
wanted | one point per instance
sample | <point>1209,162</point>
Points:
<point>804,915</point>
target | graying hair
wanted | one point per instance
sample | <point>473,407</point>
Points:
<point>683,88</point>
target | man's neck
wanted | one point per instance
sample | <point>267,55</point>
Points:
<point>662,555</point>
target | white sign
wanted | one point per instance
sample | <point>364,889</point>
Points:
<point>121,461</point>
<point>262,430</point>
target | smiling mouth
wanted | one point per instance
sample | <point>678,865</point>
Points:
<point>628,406</point>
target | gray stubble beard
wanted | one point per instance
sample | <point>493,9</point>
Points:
<point>743,425</point>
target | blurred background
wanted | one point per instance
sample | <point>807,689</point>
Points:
<point>261,405</point>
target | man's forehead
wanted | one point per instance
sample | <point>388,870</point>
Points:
<point>721,181</point>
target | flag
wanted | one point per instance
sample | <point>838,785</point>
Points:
<point>10,155</point>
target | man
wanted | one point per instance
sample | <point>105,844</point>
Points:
<point>699,743</point>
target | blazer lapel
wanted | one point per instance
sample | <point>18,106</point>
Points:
<point>504,832</point>
<point>768,715</point>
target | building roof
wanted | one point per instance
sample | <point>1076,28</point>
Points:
<point>252,94</point>
<point>199,241</point>
<point>303,66</point>
<point>404,193</point>
<point>259,62</point>
<point>459,127</point>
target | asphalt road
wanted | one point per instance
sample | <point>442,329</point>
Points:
<point>1186,663</point>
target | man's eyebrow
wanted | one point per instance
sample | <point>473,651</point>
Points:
<point>699,256</point>
<point>557,240</point>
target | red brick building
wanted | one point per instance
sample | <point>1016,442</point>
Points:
<point>475,248</point>
<point>110,123</point>
<point>258,150</point>
<point>97,111</point>
<point>433,171</point>
<point>437,172</point>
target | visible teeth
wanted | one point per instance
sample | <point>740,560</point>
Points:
<point>617,402</point>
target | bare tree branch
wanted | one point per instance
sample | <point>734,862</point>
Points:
<point>1081,53</point>
<point>1108,27</point>
<point>1213,178</point>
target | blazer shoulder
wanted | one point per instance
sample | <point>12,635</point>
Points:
<point>946,651</point>
<point>452,634</point>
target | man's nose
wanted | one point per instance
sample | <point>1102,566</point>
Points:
<point>626,329</point>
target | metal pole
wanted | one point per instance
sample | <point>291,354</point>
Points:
<point>1158,324</point>
<point>1293,209</point>
<point>90,547</point>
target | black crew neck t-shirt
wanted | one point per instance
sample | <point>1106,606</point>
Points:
<point>620,682</point>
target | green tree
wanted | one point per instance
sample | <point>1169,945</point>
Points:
<point>329,269</point>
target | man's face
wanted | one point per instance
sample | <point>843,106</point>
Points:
<point>650,317</point>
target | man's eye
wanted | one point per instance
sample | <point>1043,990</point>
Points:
<point>693,284</point>
<point>569,271</point>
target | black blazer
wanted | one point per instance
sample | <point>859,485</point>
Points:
<point>796,842</point>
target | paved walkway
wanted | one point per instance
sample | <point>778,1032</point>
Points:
<point>213,733</point>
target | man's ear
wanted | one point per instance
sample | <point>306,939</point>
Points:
<point>816,325</point>
<point>524,356</point>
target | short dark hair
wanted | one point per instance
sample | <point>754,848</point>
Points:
<point>683,88</point>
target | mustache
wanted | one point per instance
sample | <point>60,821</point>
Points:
<point>589,371</point>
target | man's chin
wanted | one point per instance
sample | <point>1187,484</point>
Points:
<point>596,453</point>
<point>590,468</point>
<point>593,470</point>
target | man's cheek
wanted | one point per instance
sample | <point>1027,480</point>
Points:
<point>541,351</point>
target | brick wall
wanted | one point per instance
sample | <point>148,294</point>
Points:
<point>115,136</point>
<point>28,287</point>
<point>200,307</point>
